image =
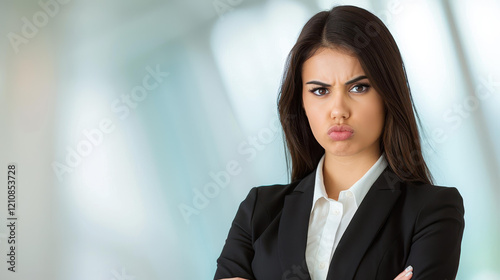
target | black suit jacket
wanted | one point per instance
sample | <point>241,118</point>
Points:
<point>397,224</point>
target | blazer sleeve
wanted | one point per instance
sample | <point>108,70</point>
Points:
<point>237,253</point>
<point>435,249</point>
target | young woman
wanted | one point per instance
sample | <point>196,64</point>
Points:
<point>361,204</point>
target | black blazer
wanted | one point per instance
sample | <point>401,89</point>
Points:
<point>396,225</point>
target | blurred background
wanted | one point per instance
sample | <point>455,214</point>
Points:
<point>138,127</point>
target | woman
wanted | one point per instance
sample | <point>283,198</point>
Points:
<point>361,204</point>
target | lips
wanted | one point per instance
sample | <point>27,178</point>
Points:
<point>340,128</point>
<point>340,132</point>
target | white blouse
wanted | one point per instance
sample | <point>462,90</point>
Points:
<point>330,218</point>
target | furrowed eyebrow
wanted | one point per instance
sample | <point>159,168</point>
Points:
<point>318,83</point>
<point>346,83</point>
<point>356,79</point>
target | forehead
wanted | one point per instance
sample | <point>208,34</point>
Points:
<point>331,65</point>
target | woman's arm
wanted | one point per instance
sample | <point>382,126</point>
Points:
<point>405,275</point>
<point>237,254</point>
<point>435,249</point>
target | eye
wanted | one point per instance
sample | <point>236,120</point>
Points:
<point>319,91</point>
<point>360,88</point>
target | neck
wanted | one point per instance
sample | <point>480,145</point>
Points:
<point>341,172</point>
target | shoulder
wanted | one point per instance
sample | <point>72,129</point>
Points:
<point>423,191</point>
<point>264,203</point>
<point>425,197</point>
<point>276,191</point>
<point>270,195</point>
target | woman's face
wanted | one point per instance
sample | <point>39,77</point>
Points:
<point>335,94</point>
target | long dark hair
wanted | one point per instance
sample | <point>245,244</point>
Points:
<point>362,33</point>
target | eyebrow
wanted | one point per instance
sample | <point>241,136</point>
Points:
<point>346,83</point>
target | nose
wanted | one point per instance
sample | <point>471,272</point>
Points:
<point>339,106</point>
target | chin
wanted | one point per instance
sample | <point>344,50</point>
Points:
<point>340,152</point>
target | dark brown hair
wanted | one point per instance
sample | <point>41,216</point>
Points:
<point>362,34</point>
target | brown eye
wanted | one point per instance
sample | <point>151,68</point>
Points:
<point>360,88</point>
<point>319,91</point>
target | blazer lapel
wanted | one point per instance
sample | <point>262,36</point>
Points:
<point>364,226</point>
<point>294,223</point>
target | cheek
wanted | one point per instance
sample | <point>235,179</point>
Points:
<point>374,117</point>
<point>314,118</point>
